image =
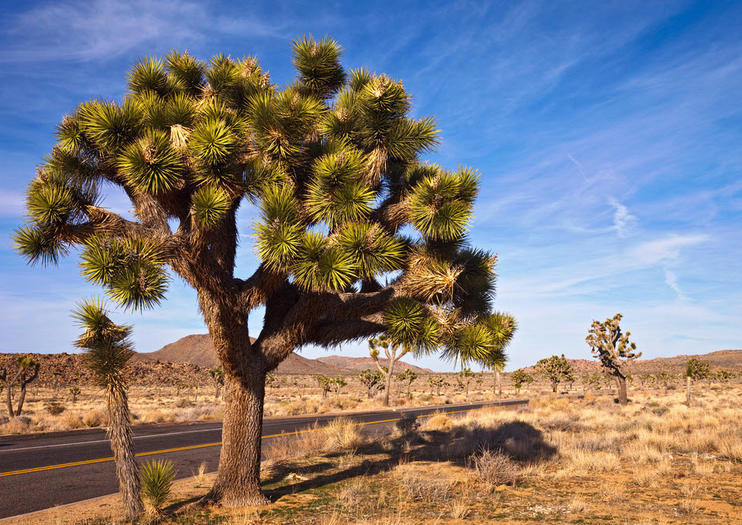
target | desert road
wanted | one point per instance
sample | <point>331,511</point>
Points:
<point>44,470</point>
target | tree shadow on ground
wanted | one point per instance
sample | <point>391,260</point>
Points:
<point>519,441</point>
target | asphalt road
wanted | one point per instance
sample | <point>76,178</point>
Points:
<point>42,471</point>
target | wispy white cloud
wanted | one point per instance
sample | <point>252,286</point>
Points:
<point>104,29</point>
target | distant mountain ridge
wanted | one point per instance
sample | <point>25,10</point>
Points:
<point>197,349</point>
<point>726,359</point>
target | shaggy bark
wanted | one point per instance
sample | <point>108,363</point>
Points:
<point>122,446</point>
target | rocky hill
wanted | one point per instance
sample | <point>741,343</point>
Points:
<point>59,370</point>
<point>198,350</point>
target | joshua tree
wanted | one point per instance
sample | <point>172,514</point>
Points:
<point>437,383</point>
<point>28,371</point>
<point>555,370</point>
<point>356,236</point>
<point>325,383</point>
<point>217,377</point>
<point>107,352</point>
<point>409,377</point>
<point>337,383</point>
<point>464,379</point>
<point>74,391</point>
<point>372,380</point>
<point>520,377</point>
<point>614,350</point>
<point>393,352</point>
<point>695,370</point>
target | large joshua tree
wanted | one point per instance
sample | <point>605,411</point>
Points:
<point>355,236</point>
<point>107,351</point>
<point>609,344</point>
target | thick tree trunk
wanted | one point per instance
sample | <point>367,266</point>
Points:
<point>499,384</point>
<point>554,387</point>
<point>122,446</point>
<point>238,479</point>
<point>622,395</point>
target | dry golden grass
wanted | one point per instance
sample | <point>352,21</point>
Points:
<point>561,460</point>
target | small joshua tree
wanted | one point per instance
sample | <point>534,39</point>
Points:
<point>74,391</point>
<point>107,352</point>
<point>217,377</point>
<point>372,380</point>
<point>436,383</point>
<point>28,371</point>
<point>695,370</point>
<point>614,350</point>
<point>394,353</point>
<point>520,377</point>
<point>555,370</point>
<point>325,383</point>
<point>408,377</point>
<point>464,379</point>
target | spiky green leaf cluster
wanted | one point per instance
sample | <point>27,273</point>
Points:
<point>130,270</point>
<point>107,345</point>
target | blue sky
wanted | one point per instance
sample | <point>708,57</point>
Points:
<point>608,136</point>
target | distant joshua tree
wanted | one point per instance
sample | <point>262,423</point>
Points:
<point>28,371</point>
<point>408,377</point>
<point>107,351</point>
<point>695,370</point>
<point>393,352</point>
<point>464,379</point>
<point>614,350</point>
<point>372,380</point>
<point>217,377</point>
<point>74,391</point>
<point>436,383</point>
<point>520,377</point>
<point>555,370</point>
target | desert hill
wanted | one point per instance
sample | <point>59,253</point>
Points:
<point>357,364</point>
<point>198,350</point>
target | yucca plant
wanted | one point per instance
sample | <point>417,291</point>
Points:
<point>156,478</point>
<point>107,351</point>
<point>356,235</point>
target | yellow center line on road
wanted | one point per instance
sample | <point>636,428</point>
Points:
<point>205,445</point>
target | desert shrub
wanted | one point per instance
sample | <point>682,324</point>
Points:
<point>341,434</point>
<point>55,408</point>
<point>494,468</point>
<point>438,422</point>
<point>72,421</point>
<point>424,489</point>
<point>16,425</point>
<point>95,418</point>
<point>156,478</point>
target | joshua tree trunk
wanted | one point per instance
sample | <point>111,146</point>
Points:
<point>622,395</point>
<point>21,400</point>
<point>9,398</point>
<point>388,386</point>
<point>238,478</point>
<point>498,380</point>
<point>687,390</point>
<point>554,387</point>
<point>122,445</point>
